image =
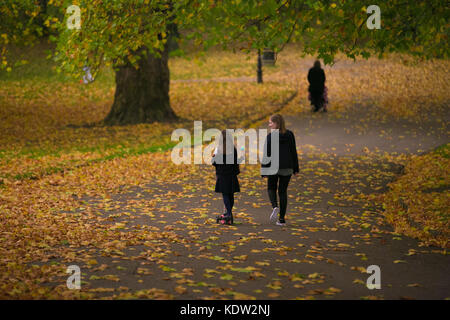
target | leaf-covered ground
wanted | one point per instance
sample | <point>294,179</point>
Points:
<point>105,198</point>
<point>418,202</point>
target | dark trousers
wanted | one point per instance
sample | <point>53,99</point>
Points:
<point>228,200</point>
<point>317,99</point>
<point>281,183</point>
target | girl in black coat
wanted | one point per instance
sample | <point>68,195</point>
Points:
<point>288,165</point>
<point>227,168</point>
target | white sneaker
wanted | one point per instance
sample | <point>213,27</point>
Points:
<point>274,214</point>
<point>281,223</point>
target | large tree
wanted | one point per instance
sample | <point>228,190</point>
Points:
<point>131,35</point>
<point>326,27</point>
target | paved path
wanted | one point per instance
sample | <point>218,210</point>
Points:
<point>354,131</point>
<point>333,233</point>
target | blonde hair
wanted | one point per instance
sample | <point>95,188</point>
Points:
<point>279,120</point>
<point>225,139</point>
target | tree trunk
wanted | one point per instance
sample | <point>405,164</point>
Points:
<point>142,95</point>
<point>259,73</point>
<point>172,42</point>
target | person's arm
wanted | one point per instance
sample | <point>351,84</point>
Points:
<point>213,162</point>
<point>213,159</point>
<point>236,161</point>
<point>294,154</point>
<point>267,151</point>
<point>267,146</point>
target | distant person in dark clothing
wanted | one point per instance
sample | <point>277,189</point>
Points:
<point>316,79</point>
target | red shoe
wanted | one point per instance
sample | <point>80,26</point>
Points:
<point>222,219</point>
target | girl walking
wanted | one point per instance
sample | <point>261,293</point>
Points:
<point>227,168</point>
<point>288,165</point>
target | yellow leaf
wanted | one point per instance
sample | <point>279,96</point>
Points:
<point>92,262</point>
<point>180,290</point>
<point>399,261</point>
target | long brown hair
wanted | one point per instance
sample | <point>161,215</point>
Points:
<point>225,139</point>
<point>279,120</point>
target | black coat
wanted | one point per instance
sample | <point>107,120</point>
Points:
<point>287,152</point>
<point>316,78</point>
<point>226,173</point>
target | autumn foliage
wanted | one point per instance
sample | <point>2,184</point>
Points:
<point>61,172</point>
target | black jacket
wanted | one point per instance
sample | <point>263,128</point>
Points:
<point>225,168</point>
<point>288,151</point>
<point>316,78</point>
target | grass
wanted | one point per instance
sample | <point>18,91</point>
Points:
<point>443,151</point>
<point>72,164</point>
<point>49,158</point>
<point>44,114</point>
<point>33,64</point>
<point>216,64</point>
